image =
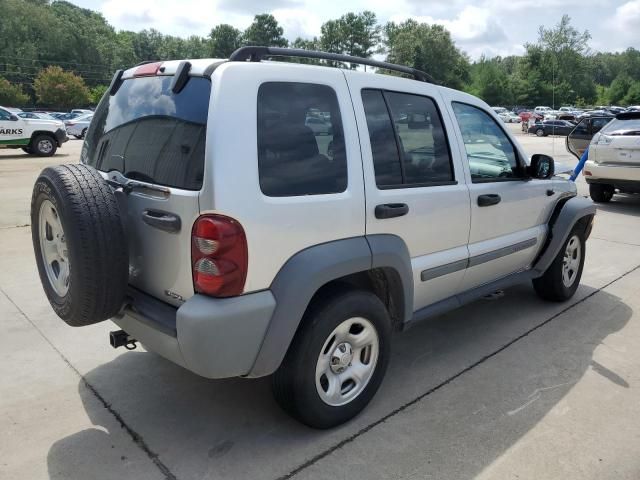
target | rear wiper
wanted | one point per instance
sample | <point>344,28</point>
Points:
<point>118,180</point>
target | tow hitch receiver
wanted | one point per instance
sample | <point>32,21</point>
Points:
<point>120,338</point>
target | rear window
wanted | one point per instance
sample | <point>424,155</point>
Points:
<point>148,133</point>
<point>623,127</point>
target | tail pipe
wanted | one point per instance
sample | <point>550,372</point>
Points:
<point>120,338</point>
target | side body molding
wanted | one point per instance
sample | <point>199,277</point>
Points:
<point>307,271</point>
<point>572,211</point>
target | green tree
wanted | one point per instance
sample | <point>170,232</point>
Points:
<point>633,94</point>
<point>12,95</point>
<point>96,93</point>
<point>224,39</point>
<point>352,34</point>
<point>562,52</point>
<point>490,82</point>
<point>619,89</point>
<point>265,31</point>
<point>428,48</point>
<point>55,87</point>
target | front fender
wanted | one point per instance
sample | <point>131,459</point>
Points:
<point>561,224</point>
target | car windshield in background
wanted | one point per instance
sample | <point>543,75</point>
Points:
<point>148,133</point>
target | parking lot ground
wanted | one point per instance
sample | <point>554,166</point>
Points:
<point>506,388</point>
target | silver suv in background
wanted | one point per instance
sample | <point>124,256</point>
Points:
<point>614,158</point>
<point>212,223</point>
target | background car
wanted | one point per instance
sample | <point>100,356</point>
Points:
<point>552,127</point>
<point>78,126</point>
<point>35,115</point>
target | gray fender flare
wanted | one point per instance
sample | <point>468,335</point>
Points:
<point>307,271</point>
<point>562,222</point>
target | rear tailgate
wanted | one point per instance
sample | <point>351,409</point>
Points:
<point>153,140</point>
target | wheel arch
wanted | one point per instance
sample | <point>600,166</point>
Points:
<point>567,213</point>
<point>37,133</point>
<point>378,263</point>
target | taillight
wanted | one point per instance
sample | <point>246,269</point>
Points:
<point>219,256</point>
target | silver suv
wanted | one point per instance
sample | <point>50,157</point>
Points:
<point>214,225</point>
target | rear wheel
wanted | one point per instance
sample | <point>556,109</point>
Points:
<point>601,193</point>
<point>79,244</point>
<point>84,132</point>
<point>540,132</point>
<point>44,145</point>
<point>337,360</point>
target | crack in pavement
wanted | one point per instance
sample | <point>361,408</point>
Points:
<point>135,436</point>
<point>616,241</point>
<point>444,383</point>
<point>9,227</point>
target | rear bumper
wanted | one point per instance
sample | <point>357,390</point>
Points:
<point>212,337</point>
<point>611,172</point>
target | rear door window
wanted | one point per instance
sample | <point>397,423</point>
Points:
<point>300,140</point>
<point>148,133</point>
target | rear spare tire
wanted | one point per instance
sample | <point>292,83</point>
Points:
<point>79,243</point>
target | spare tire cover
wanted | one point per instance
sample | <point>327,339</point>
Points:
<point>79,244</point>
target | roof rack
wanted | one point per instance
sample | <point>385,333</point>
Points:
<point>255,54</point>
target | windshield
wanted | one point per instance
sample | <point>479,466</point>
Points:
<point>148,133</point>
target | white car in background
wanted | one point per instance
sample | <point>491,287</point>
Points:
<point>614,158</point>
<point>78,126</point>
<point>506,116</point>
<point>510,117</point>
<point>547,112</point>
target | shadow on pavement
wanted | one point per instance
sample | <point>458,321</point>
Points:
<point>626,204</point>
<point>202,428</point>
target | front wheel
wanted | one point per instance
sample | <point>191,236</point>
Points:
<point>562,278</point>
<point>337,360</point>
<point>540,132</point>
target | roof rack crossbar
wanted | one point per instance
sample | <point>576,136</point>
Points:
<point>255,54</point>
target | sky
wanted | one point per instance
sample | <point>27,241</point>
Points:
<point>480,27</point>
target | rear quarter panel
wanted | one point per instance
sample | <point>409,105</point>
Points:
<point>276,227</point>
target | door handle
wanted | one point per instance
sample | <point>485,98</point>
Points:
<point>488,200</point>
<point>166,221</point>
<point>391,210</point>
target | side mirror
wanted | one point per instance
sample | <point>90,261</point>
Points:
<point>542,167</point>
<point>14,118</point>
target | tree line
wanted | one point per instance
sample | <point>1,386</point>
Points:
<point>58,55</point>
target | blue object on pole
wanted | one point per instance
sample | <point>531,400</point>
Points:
<point>580,166</point>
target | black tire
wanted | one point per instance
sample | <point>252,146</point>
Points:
<point>84,133</point>
<point>294,383</point>
<point>44,145</point>
<point>96,246</point>
<point>27,150</point>
<point>550,286</point>
<point>601,193</point>
<point>540,133</point>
